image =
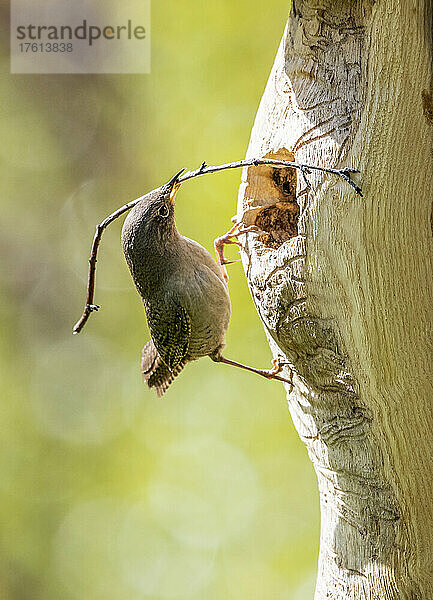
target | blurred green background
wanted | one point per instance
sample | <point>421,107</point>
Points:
<point>107,492</point>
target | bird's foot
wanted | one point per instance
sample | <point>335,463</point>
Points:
<point>278,365</point>
<point>229,238</point>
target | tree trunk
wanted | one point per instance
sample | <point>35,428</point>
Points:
<point>344,284</point>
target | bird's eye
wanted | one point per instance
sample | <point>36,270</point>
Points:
<point>164,211</point>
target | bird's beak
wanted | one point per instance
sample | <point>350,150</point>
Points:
<point>173,185</point>
<point>174,192</point>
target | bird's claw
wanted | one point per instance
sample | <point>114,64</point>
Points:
<point>228,238</point>
<point>230,262</point>
<point>278,365</point>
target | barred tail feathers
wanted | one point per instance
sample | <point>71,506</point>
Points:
<point>155,372</point>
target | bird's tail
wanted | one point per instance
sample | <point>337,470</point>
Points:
<point>155,372</point>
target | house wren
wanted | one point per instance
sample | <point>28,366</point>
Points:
<point>183,289</point>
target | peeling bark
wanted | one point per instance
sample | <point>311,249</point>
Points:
<point>344,285</point>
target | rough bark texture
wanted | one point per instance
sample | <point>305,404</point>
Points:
<point>344,285</point>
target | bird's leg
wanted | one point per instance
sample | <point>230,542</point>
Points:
<point>268,373</point>
<point>228,238</point>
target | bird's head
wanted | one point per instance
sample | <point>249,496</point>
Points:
<point>151,221</point>
<point>158,205</point>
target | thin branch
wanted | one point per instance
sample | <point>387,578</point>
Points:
<point>90,307</point>
<point>255,162</point>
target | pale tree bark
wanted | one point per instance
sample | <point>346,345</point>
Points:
<point>344,284</point>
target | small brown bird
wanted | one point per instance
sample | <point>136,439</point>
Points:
<point>183,289</point>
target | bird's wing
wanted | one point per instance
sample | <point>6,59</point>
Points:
<point>170,329</point>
